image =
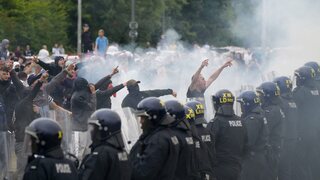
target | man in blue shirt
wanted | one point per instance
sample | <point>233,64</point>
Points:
<point>101,44</point>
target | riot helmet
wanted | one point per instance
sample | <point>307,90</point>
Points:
<point>42,135</point>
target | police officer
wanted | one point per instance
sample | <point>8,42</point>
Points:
<point>269,94</point>
<point>306,95</point>
<point>204,154</point>
<point>188,165</point>
<point>155,155</point>
<point>316,67</point>
<point>290,136</point>
<point>230,136</point>
<point>206,137</point>
<point>47,161</point>
<point>108,158</point>
<point>254,121</point>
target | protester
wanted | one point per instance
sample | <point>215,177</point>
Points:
<point>4,52</point>
<point>17,52</point>
<point>83,104</point>
<point>28,51</point>
<point>44,53</point>
<point>55,50</point>
<point>199,85</point>
<point>105,92</point>
<point>135,95</point>
<point>53,69</point>
<point>86,39</point>
<point>25,112</point>
<point>102,44</point>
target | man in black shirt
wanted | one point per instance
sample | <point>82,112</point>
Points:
<point>135,95</point>
<point>86,39</point>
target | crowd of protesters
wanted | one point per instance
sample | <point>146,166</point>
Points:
<point>275,137</point>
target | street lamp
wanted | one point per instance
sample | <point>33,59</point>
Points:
<point>133,25</point>
<point>79,28</point>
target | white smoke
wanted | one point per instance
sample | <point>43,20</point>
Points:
<point>289,28</point>
<point>291,39</point>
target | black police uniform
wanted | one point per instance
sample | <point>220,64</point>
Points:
<point>106,162</point>
<point>188,166</point>
<point>290,137</point>
<point>275,120</point>
<point>254,161</point>
<point>230,139</point>
<point>206,153</point>
<point>52,166</point>
<point>108,158</point>
<point>307,99</point>
<point>155,156</point>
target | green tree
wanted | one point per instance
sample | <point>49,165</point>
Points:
<point>34,22</point>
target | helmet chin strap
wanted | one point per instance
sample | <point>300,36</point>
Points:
<point>225,110</point>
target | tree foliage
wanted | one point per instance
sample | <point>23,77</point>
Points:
<point>34,22</point>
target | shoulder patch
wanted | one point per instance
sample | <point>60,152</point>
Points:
<point>174,140</point>
<point>265,121</point>
<point>292,105</point>
<point>315,92</point>
<point>123,156</point>
<point>189,140</point>
<point>197,144</point>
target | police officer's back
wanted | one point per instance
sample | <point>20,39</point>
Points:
<point>306,95</point>
<point>155,154</point>
<point>189,143</point>
<point>108,158</point>
<point>207,150</point>
<point>47,161</point>
<point>230,137</point>
<point>290,133</point>
<point>269,94</point>
<point>254,161</point>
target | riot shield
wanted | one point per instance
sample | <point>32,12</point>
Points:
<point>4,157</point>
<point>64,119</point>
<point>130,127</point>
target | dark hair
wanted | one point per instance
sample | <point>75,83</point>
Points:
<point>22,75</point>
<point>5,69</point>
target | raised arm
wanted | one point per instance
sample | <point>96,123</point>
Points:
<point>41,63</point>
<point>35,90</point>
<point>160,92</point>
<point>113,90</point>
<point>16,82</point>
<point>195,77</point>
<point>59,78</point>
<point>102,81</point>
<point>216,74</point>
